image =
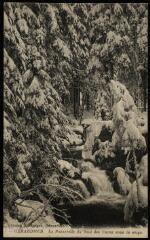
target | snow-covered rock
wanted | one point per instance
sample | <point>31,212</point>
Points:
<point>67,168</point>
<point>78,129</point>
<point>88,121</point>
<point>91,132</point>
<point>28,210</point>
<point>123,181</point>
<point>80,186</point>
<point>86,166</point>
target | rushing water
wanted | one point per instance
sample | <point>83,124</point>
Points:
<point>102,206</point>
<point>98,180</point>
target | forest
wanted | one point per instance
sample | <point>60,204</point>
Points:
<point>75,113</point>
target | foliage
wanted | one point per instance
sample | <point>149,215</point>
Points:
<point>34,122</point>
<point>119,49</point>
<point>47,48</point>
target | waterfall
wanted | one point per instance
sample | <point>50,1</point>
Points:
<point>97,181</point>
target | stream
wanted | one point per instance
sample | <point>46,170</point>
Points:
<point>103,206</point>
<point>102,210</point>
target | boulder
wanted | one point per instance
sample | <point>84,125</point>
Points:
<point>86,166</point>
<point>122,181</point>
<point>93,132</point>
<point>67,168</point>
<point>88,121</point>
<point>77,129</point>
<point>80,187</point>
<point>29,210</point>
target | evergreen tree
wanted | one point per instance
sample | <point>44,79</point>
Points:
<point>117,39</point>
<point>34,122</point>
<point>50,48</point>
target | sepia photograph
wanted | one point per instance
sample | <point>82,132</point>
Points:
<point>75,133</point>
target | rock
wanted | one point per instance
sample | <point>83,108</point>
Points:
<point>28,210</point>
<point>80,186</point>
<point>24,208</point>
<point>68,168</point>
<point>77,148</point>
<point>78,129</point>
<point>88,121</point>
<point>86,166</point>
<point>93,132</point>
<point>123,181</point>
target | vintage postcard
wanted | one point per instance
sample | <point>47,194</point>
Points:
<point>75,120</point>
